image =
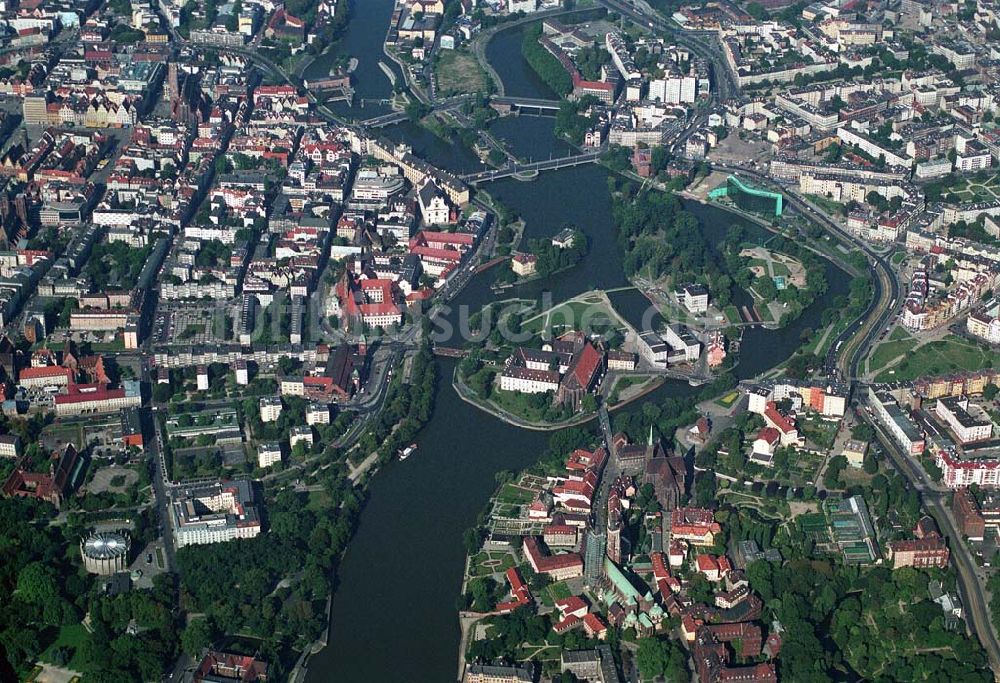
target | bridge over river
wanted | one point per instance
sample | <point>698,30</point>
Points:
<point>547,165</point>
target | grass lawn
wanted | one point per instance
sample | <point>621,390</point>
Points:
<point>978,189</point>
<point>219,324</point>
<point>781,269</point>
<point>835,330</point>
<point>898,257</point>
<point>889,351</point>
<point>458,73</point>
<point>732,314</point>
<point>626,382</point>
<point>830,206</point>
<point>520,404</point>
<point>559,591</point>
<point>898,334</point>
<point>937,358</point>
<point>73,637</point>
<point>490,562</point>
<point>728,400</point>
<point>512,495</point>
<point>578,315</point>
<point>318,500</point>
<point>764,311</point>
<point>104,347</point>
<point>538,653</point>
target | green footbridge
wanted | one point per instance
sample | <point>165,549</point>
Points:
<point>749,198</point>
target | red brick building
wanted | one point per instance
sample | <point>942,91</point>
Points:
<point>559,567</point>
<point>968,515</point>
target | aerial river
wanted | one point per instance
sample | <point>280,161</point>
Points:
<point>394,610</point>
<point>362,39</point>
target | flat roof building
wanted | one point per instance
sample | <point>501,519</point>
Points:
<point>968,428</point>
<point>214,513</point>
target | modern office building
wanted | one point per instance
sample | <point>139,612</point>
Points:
<point>749,198</point>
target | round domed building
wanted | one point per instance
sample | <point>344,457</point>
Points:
<point>105,552</point>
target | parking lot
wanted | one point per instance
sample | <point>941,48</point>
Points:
<point>197,325</point>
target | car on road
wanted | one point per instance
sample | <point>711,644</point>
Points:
<point>149,558</point>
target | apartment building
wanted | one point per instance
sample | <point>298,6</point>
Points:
<point>955,412</point>
<point>215,513</point>
<point>899,425</point>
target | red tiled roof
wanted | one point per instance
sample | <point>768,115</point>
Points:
<point>930,543</point>
<point>89,395</point>
<point>587,365</point>
<point>769,434</point>
<point>571,604</point>
<point>593,623</point>
<point>660,570</point>
<point>428,237</point>
<point>781,422</point>
<point>566,624</point>
<point>546,563</point>
<point>44,372</point>
<point>434,252</point>
<point>707,563</point>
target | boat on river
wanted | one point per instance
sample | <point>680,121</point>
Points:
<point>407,452</point>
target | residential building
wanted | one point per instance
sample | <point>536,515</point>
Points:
<point>900,426</point>
<point>959,471</point>
<point>694,298</point>
<point>829,399</point>
<point>966,427</point>
<point>968,515</point>
<point>270,408</point>
<point>268,454</point>
<point>855,451</point>
<point>300,434</point>
<point>317,413</point>
<point>10,446</point>
<point>985,323</point>
<point>524,265</point>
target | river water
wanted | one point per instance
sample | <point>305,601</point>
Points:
<point>362,39</point>
<point>394,611</point>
